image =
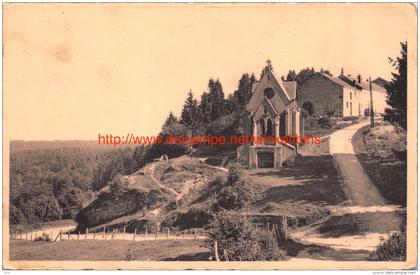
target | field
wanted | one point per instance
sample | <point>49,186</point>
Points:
<point>117,250</point>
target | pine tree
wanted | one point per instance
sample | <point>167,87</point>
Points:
<point>189,111</point>
<point>397,90</point>
<point>170,120</point>
<point>212,105</point>
<point>240,98</point>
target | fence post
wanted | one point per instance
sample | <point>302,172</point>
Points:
<point>86,234</point>
<point>78,234</point>
<point>68,235</point>
<point>26,236</point>
<point>283,228</point>
<point>124,233</point>
<point>94,234</point>
<point>216,252</point>
<point>225,254</point>
<point>135,232</point>
<point>103,233</point>
<point>146,234</point>
<point>113,233</point>
<point>195,234</point>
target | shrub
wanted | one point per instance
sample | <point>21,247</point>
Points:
<point>324,122</point>
<point>241,241</point>
<point>118,186</point>
<point>350,118</point>
<point>234,173</point>
<point>308,107</point>
<point>43,238</point>
<point>237,196</point>
<point>194,218</point>
<point>15,215</point>
<point>392,249</point>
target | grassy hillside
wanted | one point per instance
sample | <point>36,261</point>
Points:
<point>150,196</point>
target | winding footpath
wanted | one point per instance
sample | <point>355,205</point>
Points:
<point>364,202</point>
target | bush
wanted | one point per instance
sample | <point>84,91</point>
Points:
<point>392,249</point>
<point>350,118</point>
<point>241,241</point>
<point>308,107</point>
<point>324,122</point>
<point>118,186</point>
<point>15,215</point>
<point>237,196</point>
<point>43,238</point>
<point>194,218</point>
<point>234,174</point>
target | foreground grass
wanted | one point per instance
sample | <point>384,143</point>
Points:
<point>377,150</point>
<point>90,250</point>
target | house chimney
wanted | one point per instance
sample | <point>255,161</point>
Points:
<point>342,71</point>
<point>359,78</point>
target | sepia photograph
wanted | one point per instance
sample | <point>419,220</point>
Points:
<point>210,136</point>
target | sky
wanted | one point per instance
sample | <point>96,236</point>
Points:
<point>72,71</point>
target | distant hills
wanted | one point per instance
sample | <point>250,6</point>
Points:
<point>23,145</point>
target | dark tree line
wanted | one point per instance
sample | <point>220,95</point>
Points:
<point>214,112</point>
<point>397,90</point>
<point>303,75</point>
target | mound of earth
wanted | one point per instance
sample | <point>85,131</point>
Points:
<point>148,196</point>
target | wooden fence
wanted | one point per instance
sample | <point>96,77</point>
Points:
<point>113,234</point>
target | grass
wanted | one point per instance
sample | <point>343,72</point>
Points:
<point>360,224</point>
<point>41,225</point>
<point>313,126</point>
<point>177,171</point>
<point>376,150</point>
<point>142,182</point>
<point>90,250</point>
<point>301,192</point>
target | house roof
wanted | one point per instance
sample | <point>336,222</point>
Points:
<point>290,87</point>
<point>378,85</point>
<point>381,82</point>
<point>282,87</point>
<point>339,81</point>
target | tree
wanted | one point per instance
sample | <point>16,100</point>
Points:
<point>241,96</point>
<point>397,90</point>
<point>291,76</point>
<point>212,104</point>
<point>303,75</point>
<point>240,240</point>
<point>189,111</point>
<point>171,119</point>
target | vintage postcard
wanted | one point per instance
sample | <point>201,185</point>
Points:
<point>209,136</point>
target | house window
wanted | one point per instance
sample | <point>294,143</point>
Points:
<point>269,127</point>
<point>350,95</point>
<point>262,127</point>
<point>347,104</point>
